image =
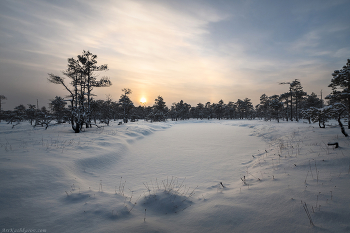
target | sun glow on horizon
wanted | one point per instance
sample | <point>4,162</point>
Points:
<point>143,100</point>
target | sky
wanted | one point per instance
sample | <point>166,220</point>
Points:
<point>197,51</point>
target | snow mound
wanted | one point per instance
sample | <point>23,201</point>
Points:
<point>166,202</point>
<point>92,205</point>
<point>168,196</point>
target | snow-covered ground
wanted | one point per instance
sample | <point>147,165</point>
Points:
<point>185,176</point>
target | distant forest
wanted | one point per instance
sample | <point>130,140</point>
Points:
<point>81,109</point>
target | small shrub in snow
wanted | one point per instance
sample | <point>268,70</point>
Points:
<point>168,196</point>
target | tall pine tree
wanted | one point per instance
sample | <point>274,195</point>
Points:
<point>340,85</point>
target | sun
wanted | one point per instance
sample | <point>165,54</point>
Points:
<point>143,100</point>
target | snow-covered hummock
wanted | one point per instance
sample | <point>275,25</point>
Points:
<point>185,176</point>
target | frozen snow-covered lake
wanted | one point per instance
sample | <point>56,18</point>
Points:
<point>165,177</point>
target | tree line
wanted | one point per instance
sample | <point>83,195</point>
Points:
<point>80,108</point>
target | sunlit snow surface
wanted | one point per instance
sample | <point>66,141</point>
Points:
<point>185,176</point>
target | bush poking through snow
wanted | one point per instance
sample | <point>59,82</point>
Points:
<point>168,196</point>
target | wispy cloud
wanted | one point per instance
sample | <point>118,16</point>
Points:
<point>200,50</point>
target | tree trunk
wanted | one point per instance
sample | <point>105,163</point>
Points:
<point>291,105</point>
<point>348,79</point>
<point>320,120</point>
<point>349,111</point>
<point>296,109</point>
<point>287,109</point>
<point>76,126</point>
<point>341,125</point>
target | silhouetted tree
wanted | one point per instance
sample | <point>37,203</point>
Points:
<point>245,108</point>
<point>18,115</point>
<point>311,101</point>
<point>138,112</point>
<point>298,93</point>
<point>208,110</point>
<point>2,98</point>
<point>57,106</point>
<point>316,115</point>
<point>159,110</point>
<point>182,110</point>
<point>126,103</point>
<point>286,110</point>
<point>291,98</point>
<point>275,105</point>
<point>30,113</point>
<point>219,109</point>
<point>81,71</point>
<point>340,85</point>
<point>230,110</point>
<point>199,111</point>
<point>264,106</point>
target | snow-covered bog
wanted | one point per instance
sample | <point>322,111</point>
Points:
<point>184,176</point>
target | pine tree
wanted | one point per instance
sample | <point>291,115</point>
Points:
<point>57,106</point>
<point>264,105</point>
<point>340,85</point>
<point>275,106</point>
<point>208,110</point>
<point>81,71</point>
<point>231,110</point>
<point>126,103</point>
<point>2,97</point>
<point>30,112</point>
<point>199,111</point>
<point>298,93</point>
<point>20,112</point>
<point>219,109</point>
<point>160,109</point>
<point>312,101</point>
<point>285,96</point>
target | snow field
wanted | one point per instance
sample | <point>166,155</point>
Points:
<point>165,177</point>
